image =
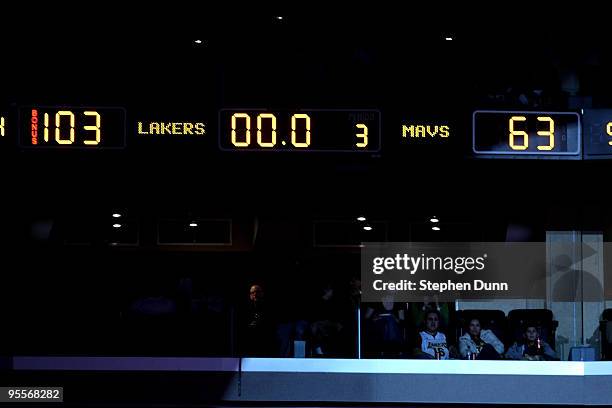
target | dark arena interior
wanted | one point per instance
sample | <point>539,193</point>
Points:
<point>195,201</point>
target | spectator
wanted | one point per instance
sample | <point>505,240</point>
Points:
<point>531,347</point>
<point>256,327</point>
<point>483,344</point>
<point>386,325</point>
<point>350,304</point>
<point>431,343</point>
<point>419,309</point>
<point>326,326</point>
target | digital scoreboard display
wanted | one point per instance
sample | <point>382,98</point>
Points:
<point>494,134</point>
<point>300,130</point>
<point>71,127</point>
<point>597,124</point>
<point>516,133</point>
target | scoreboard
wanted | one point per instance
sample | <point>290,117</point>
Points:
<point>491,134</point>
<point>526,133</point>
<point>598,133</point>
<point>71,127</point>
<point>304,130</point>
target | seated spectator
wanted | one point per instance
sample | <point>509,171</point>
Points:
<point>531,347</point>
<point>419,309</point>
<point>256,327</point>
<point>480,344</point>
<point>386,326</point>
<point>326,326</point>
<point>431,343</point>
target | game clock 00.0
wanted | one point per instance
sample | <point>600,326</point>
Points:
<point>306,130</point>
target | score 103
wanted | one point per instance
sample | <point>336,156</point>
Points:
<point>311,130</point>
<point>71,127</point>
<point>68,136</point>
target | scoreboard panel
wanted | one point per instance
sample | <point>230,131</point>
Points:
<point>539,134</point>
<point>71,127</point>
<point>597,133</point>
<point>331,130</point>
<point>493,134</point>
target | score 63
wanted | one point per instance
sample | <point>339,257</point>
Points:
<point>537,134</point>
<point>524,136</point>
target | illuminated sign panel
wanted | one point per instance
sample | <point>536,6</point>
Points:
<point>597,124</point>
<point>299,130</point>
<point>515,133</point>
<point>171,128</point>
<point>422,130</point>
<point>71,127</point>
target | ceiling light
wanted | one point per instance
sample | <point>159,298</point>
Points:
<point>367,228</point>
<point>116,225</point>
<point>361,219</point>
<point>435,228</point>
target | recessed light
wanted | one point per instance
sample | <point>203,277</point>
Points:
<point>367,228</point>
<point>435,228</point>
<point>434,219</point>
<point>361,219</point>
<point>116,225</point>
<point>449,38</point>
<point>193,224</point>
<point>279,17</point>
<point>198,41</point>
<point>116,215</point>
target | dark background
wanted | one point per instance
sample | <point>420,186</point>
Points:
<point>63,298</point>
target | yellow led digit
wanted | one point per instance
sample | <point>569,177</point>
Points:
<point>1,125</point>
<point>58,117</point>
<point>514,133</point>
<point>294,119</point>
<point>609,132</point>
<point>363,135</point>
<point>260,119</point>
<point>46,129</point>
<point>247,134</point>
<point>95,128</point>
<point>550,133</point>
